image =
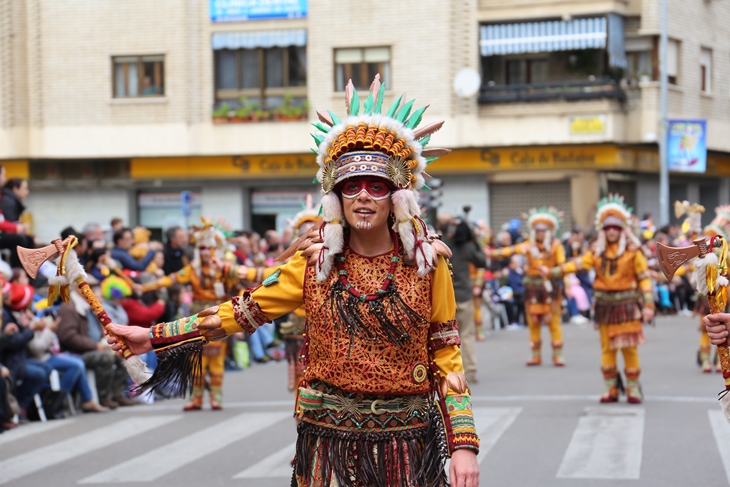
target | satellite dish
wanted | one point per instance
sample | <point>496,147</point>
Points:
<point>466,83</point>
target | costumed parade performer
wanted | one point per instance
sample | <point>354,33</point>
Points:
<point>543,296</point>
<point>384,399</point>
<point>211,280</point>
<point>293,330</point>
<point>720,225</point>
<point>623,292</point>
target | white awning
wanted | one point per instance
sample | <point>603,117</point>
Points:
<point>548,36</point>
<point>259,38</point>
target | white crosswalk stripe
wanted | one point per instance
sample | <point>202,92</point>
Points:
<point>47,456</point>
<point>275,465</point>
<point>606,444</point>
<point>721,432</point>
<point>491,423</point>
<point>159,462</point>
<point>32,429</point>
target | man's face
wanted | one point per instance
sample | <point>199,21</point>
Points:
<point>181,238</point>
<point>127,241</point>
<point>613,234</point>
<point>540,235</point>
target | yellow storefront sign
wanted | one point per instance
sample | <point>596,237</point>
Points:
<point>267,166</point>
<point>16,169</point>
<point>588,125</point>
<point>512,159</point>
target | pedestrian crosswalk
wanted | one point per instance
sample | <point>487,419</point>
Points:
<point>606,442</point>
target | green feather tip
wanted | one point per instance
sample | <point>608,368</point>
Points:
<point>405,111</point>
<point>335,119</point>
<point>381,96</point>
<point>425,140</point>
<point>416,118</point>
<point>314,181</point>
<point>355,103</point>
<point>318,139</point>
<point>321,127</point>
<point>425,188</point>
<point>320,211</point>
<point>369,104</point>
<point>314,150</point>
<point>429,160</point>
<point>394,107</point>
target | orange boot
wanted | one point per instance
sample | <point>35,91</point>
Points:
<point>558,359</point>
<point>610,392</point>
<point>633,388</point>
<point>536,353</point>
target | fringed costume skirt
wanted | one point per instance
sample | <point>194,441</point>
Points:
<point>361,440</point>
<point>541,295</point>
<point>620,311</point>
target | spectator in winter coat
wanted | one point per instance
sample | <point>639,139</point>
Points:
<point>80,333</point>
<point>14,192</point>
<point>12,234</point>
<point>174,250</point>
<point>15,336</point>
<point>123,242</point>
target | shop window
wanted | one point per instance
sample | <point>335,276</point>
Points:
<point>673,49</point>
<point>261,76</point>
<point>138,76</point>
<point>361,65</point>
<point>706,70</point>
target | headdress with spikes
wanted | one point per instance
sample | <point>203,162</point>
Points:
<point>612,212</point>
<point>209,235</point>
<point>307,215</point>
<point>720,225</point>
<point>547,218</point>
<point>692,225</point>
<point>370,143</point>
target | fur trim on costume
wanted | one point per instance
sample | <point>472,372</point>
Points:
<point>700,274</point>
<point>404,202</point>
<point>137,369</point>
<point>332,234</point>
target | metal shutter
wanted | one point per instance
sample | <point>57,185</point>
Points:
<point>510,200</point>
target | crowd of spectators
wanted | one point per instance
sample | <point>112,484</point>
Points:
<point>40,341</point>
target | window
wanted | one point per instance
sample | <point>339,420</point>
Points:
<point>672,61</point>
<point>361,65</point>
<point>525,71</point>
<point>639,65</point>
<point>706,70</point>
<point>262,76</point>
<point>137,76</point>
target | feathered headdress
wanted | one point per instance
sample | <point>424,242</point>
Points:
<point>612,212</point>
<point>370,143</point>
<point>209,235</point>
<point>547,218</point>
<point>307,215</point>
<point>692,225</point>
<point>720,225</point>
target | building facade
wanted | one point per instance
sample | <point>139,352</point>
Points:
<point>115,108</point>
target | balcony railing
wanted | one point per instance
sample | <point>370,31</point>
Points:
<point>559,90</point>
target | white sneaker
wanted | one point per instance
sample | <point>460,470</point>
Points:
<point>514,326</point>
<point>579,320</point>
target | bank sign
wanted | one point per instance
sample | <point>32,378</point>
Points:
<point>242,10</point>
<point>687,145</point>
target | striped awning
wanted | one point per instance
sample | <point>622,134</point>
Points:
<point>259,38</point>
<point>548,36</point>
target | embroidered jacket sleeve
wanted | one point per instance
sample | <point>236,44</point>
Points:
<point>641,267</point>
<point>584,262</point>
<point>520,249</point>
<point>444,343</point>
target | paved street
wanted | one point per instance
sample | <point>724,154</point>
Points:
<point>539,426</point>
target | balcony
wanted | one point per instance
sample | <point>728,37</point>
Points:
<point>552,91</point>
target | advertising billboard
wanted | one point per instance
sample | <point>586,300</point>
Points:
<point>242,10</point>
<point>687,145</point>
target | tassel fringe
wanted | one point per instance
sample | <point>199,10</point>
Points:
<point>176,370</point>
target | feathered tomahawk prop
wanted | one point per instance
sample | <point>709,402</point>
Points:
<point>711,278</point>
<point>70,272</point>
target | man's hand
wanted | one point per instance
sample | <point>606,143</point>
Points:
<point>647,314</point>
<point>544,270</point>
<point>464,469</point>
<point>136,338</point>
<point>21,229</point>
<point>11,329</point>
<point>716,326</point>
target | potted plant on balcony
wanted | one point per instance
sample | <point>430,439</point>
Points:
<point>220,115</point>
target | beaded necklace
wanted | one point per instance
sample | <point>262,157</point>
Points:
<point>363,297</point>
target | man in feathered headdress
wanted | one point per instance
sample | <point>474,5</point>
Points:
<point>384,398</point>
<point>212,280</point>
<point>543,296</point>
<point>623,293</point>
